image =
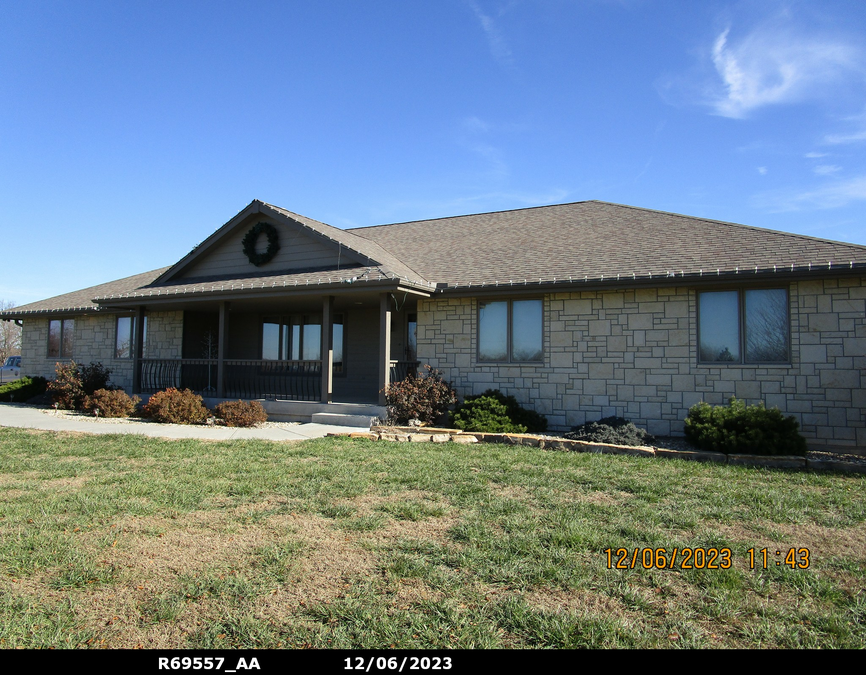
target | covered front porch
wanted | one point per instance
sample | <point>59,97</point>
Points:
<point>344,348</point>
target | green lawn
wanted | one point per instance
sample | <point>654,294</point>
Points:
<point>128,541</point>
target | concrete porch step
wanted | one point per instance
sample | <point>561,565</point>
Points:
<point>341,419</point>
<point>347,414</point>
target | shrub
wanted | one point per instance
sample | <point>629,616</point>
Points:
<point>615,430</point>
<point>72,383</point>
<point>495,412</point>
<point>93,378</point>
<point>66,390</point>
<point>241,413</point>
<point>175,406</point>
<point>23,389</point>
<point>110,403</point>
<point>741,428</point>
<point>424,398</point>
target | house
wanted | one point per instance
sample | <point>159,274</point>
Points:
<point>580,310</point>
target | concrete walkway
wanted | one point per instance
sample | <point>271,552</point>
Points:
<point>28,417</point>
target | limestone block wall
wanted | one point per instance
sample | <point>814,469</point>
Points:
<point>164,339</point>
<point>633,353</point>
<point>94,341</point>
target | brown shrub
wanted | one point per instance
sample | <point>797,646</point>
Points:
<point>73,382</point>
<point>241,413</point>
<point>424,398</point>
<point>175,406</point>
<point>111,403</point>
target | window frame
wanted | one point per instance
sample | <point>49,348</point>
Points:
<point>67,326</point>
<point>509,341</point>
<point>741,318</point>
<point>286,323</point>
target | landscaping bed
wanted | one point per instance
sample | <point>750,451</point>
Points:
<point>665,447</point>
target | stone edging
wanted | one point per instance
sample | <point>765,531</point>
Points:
<point>427,434</point>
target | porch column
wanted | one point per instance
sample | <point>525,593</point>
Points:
<point>384,345</point>
<point>138,345</point>
<point>222,338</point>
<point>327,348</point>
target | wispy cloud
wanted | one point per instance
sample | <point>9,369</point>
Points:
<point>855,137</point>
<point>816,155</point>
<point>826,169</point>
<point>762,170</point>
<point>495,39</point>
<point>773,65</point>
<point>829,196</point>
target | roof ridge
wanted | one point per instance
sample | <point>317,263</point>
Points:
<point>471,215</point>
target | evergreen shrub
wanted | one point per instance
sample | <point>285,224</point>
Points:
<point>494,412</point>
<point>22,389</point>
<point>614,430</point>
<point>744,429</point>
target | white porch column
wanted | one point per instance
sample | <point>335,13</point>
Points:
<point>384,345</point>
<point>222,339</point>
<point>327,348</point>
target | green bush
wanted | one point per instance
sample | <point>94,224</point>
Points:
<point>175,406</point>
<point>744,429</point>
<point>494,412</point>
<point>424,398</point>
<point>110,403</point>
<point>241,413</point>
<point>615,430</point>
<point>23,389</point>
<point>72,383</point>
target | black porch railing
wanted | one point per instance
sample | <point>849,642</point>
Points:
<point>248,378</point>
<point>243,378</point>
<point>401,370</point>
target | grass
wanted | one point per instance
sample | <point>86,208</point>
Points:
<point>137,542</point>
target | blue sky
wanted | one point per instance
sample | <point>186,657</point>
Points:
<point>129,131</point>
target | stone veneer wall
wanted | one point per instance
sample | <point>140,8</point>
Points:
<point>633,353</point>
<point>94,341</point>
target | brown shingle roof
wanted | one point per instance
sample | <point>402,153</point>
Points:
<point>595,240</point>
<point>81,301</point>
<point>580,241</point>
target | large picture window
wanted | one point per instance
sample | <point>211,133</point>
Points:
<point>744,326</point>
<point>60,332</point>
<point>510,331</point>
<point>299,338</point>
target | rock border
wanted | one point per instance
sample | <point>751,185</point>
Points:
<point>434,435</point>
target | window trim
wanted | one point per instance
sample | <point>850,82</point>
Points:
<point>741,317</point>
<point>509,345</point>
<point>64,327</point>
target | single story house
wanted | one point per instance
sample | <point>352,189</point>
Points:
<point>580,310</point>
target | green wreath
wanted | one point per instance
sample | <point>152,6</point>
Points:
<point>252,237</point>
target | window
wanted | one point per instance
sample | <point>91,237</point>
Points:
<point>510,331</point>
<point>743,326</point>
<point>60,332</point>
<point>412,337</point>
<point>296,338</point>
<point>124,343</point>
